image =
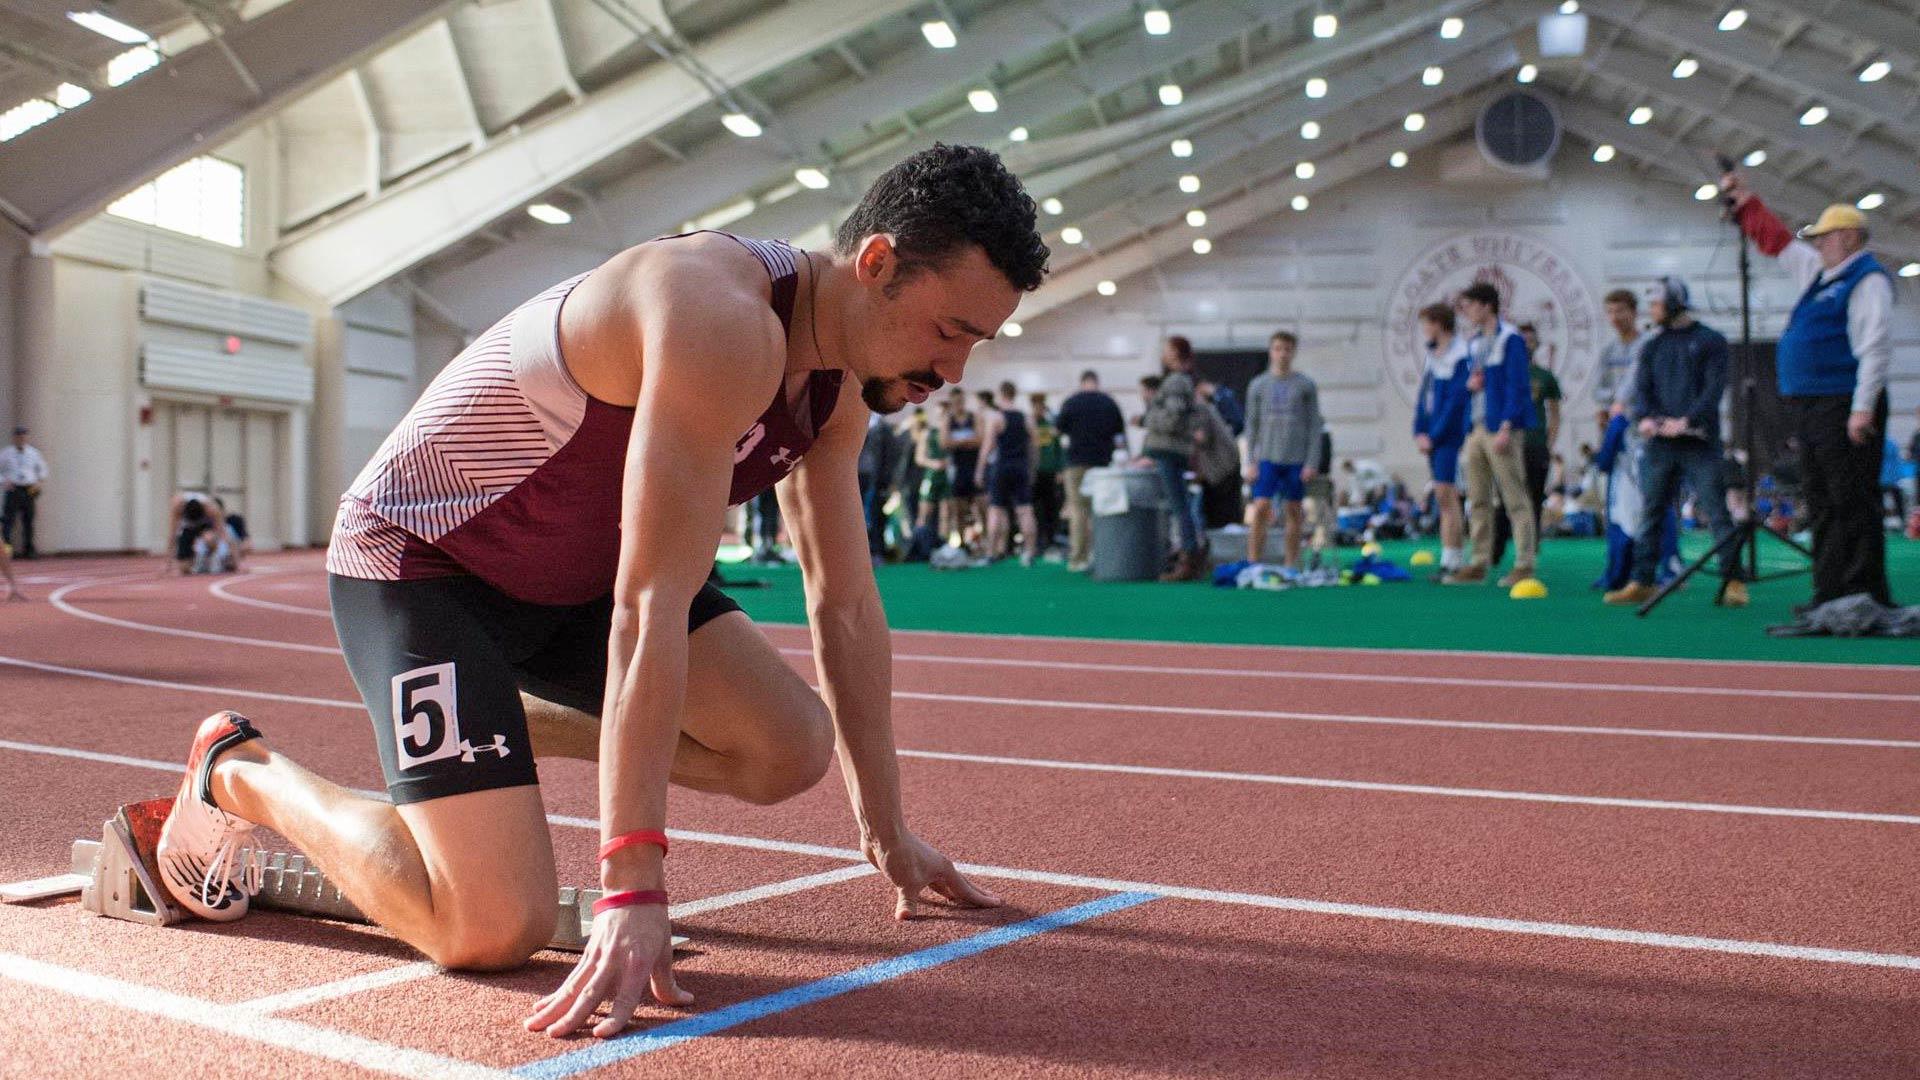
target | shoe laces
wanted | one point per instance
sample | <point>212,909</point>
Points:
<point>231,854</point>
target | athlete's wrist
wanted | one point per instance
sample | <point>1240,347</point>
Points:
<point>641,866</point>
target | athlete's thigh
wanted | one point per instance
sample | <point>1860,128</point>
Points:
<point>743,698</point>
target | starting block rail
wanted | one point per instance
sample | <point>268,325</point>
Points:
<point>117,876</point>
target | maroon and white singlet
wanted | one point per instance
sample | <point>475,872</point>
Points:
<point>507,470</point>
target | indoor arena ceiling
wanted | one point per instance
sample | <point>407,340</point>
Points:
<point>415,134</point>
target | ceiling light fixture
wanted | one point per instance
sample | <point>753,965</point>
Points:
<point>742,125</point>
<point>1190,183</point>
<point>548,213</point>
<point>1182,148</point>
<point>1157,21</point>
<point>1171,94</point>
<point>1526,74</point>
<point>939,34</point>
<point>1398,160</point>
<point>1316,87</point>
<point>1734,19</point>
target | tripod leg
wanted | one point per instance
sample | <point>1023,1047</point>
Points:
<point>1740,534</point>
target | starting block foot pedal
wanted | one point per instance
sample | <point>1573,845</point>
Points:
<point>124,878</point>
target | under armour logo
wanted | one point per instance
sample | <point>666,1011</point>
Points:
<point>468,750</point>
<point>783,459</point>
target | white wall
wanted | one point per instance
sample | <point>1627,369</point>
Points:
<point>78,377</point>
<point>1338,271</point>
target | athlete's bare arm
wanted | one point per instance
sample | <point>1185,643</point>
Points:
<point>714,353</point>
<point>990,425</point>
<point>853,654</point>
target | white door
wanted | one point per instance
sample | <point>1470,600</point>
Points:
<point>232,454</point>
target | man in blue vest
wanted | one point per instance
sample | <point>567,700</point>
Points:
<point>1833,362</point>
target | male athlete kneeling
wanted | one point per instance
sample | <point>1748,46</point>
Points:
<point>521,571</point>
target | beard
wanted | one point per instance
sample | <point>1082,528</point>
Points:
<point>889,395</point>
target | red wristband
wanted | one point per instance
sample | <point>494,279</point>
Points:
<point>630,898</point>
<point>638,836</point>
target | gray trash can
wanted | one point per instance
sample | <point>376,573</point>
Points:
<point>1129,524</point>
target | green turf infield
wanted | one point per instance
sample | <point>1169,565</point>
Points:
<point>1046,600</point>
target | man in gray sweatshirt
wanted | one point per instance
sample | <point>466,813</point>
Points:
<point>1171,423</point>
<point>1283,429</point>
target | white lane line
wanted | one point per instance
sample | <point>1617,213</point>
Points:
<point>219,590</point>
<point>1410,721</point>
<point>1330,783</point>
<point>1288,903</point>
<point>192,688</point>
<point>1396,679</point>
<point>1102,706</point>
<point>339,988</point>
<point>243,1023</point>
<point>1361,651</point>
<point>405,973</point>
<point>58,599</point>
<point>1418,789</point>
<point>1494,924</point>
<point>768,891</point>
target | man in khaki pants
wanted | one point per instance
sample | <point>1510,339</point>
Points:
<point>1493,457</point>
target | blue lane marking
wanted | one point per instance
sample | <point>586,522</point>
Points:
<point>693,1027</point>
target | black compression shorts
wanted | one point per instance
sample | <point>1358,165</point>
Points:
<point>441,662</point>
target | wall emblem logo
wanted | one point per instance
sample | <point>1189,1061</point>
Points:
<point>1537,285</point>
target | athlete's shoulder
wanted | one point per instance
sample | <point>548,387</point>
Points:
<point>719,268</point>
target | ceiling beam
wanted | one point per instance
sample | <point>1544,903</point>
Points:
<point>725,169</point>
<point>1789,70</point>
<point>1793,198</point>
<point>129,134</point>
<point>1260,202</point>
<point>350,251</point>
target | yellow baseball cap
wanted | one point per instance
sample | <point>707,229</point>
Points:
<point>1837,216</point>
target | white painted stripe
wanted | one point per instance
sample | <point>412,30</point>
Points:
<point>1419,789</point>
<point>219,590</point>
<point>1410,721</point>
<point>1494,924</point>
<point>1362,652</point>
<point>91,755</point>
<point>1397,679</point>
<point>405,973</point>
<point>764,892</point>
<point>1163,710</point>
<point>192,688</point>
<point>243,1023</point>
<point>1206,774</point>
<point>59,600</point>
<point>327,991</point>
<point>1217,896</point>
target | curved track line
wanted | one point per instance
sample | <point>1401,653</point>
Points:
<point>59,600</point>
<point>219,590</point>
<point>1154,710</point>
<point>1334,783</point>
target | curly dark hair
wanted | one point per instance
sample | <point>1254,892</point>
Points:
<point>941,199</point>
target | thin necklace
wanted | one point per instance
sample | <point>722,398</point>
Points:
<point>813,309</point>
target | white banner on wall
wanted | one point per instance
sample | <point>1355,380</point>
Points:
<point>1537,285</point>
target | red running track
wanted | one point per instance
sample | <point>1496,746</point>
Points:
<point>1368,864</point>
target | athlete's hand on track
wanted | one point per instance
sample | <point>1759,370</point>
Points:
<point>914,867</point>
<point>629,950</point>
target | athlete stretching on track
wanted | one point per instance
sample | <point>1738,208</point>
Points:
<point>521,571</point>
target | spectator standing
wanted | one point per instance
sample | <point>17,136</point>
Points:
<point>1678,384</point>
<point>1005,471</point>
<point>1049,457</point>
<point>1319,502</point>
<point>879,456</point>
<point>1172,427</point>
<point>936,500</point>
<point>22,471</point>
<point>1832,364</point>
<point>1499,411</point>
<point>1537,448</point>
<point>1617,356</point>
<point>911,471</point>
<point>1216,463</point>
<point>1284,425</point>
<point>1440,425</point>
<point>960,435</point>
<point>1094,429</point>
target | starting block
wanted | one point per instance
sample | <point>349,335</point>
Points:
<point>118,876</point>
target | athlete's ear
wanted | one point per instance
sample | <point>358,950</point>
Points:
<point>876,261</point>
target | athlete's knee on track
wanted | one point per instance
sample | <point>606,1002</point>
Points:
<point>492,937</point>
<point>797,760</point>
